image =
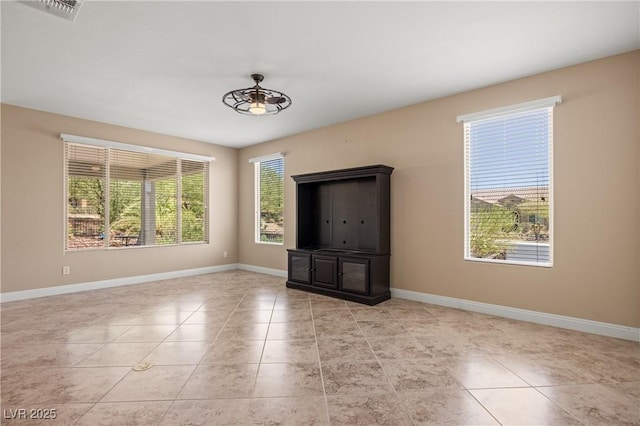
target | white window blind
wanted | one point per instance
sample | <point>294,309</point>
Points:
<point>269,201</point>
<point>121,198</point>
<point>508,184</point>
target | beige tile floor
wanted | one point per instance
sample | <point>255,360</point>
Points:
<point>239,348</point>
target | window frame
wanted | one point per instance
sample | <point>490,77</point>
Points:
<point>107,145</point>
<point>506,112</point>
<point>257,201</point>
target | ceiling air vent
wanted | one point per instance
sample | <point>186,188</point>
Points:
<point>67,9</point>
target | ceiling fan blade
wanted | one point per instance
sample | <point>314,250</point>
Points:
<point>275,100</point>
<point>240,95</point>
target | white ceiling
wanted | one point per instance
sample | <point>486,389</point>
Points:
<point>163,66</point>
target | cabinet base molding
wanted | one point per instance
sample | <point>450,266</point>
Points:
<point>367,300</point>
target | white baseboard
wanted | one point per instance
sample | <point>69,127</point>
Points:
<point>262,270</point>
<point>571,323</point>
<point>95,285</point>
<point>561,321</point>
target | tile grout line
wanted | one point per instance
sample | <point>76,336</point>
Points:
<point>264,345</point>
<point>482,405</point>
<point>324,390</point>
<point>467,390</point>
<point>131,369</point>
<point>211,345</point>
<point>557,404</point>
<point>175,399</point>
<point>380,363</point>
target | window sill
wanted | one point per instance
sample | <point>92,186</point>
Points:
<point>266,243</point>
<point>509,262</point>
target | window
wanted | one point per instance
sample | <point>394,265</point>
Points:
<point>269,201</point>
<point>508,184</point>
<point>122,195</point>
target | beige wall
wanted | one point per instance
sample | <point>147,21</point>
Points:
<point>596,272</point>
<point>33,209</point>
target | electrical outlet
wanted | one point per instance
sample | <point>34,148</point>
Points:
<point>224,254</point>
<point>66,270</point>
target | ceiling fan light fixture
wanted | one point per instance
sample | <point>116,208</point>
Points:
<point>256,100</point>
<point>257,108</point>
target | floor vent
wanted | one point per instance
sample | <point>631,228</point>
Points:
<point>67,9</point>
<point>142,366</point>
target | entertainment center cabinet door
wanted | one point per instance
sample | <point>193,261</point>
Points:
<point>300,267</point>
<point>353,275</point>
<point>325,271</point>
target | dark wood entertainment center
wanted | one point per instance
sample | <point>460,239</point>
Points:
<point>343,232</point>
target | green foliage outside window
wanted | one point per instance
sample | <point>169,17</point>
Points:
<point>496,228</point>
<point>86,196</point>
<point>193,208</point>
<point>491,231</point>
<point>271,201</point>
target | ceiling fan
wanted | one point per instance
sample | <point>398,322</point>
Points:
<point>256,100</point>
